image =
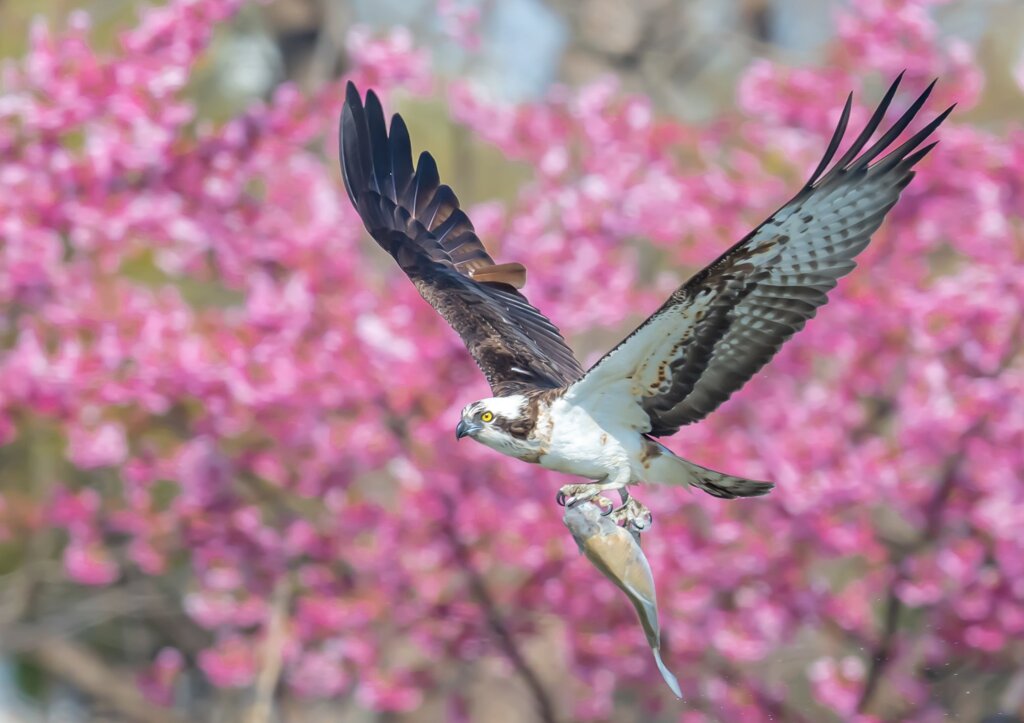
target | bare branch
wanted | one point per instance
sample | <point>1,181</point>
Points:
<point>882,652</point>
<point>93,610</point>
<point>768,702</point>
<point>81,668</point>
<point>1013,697</point>
<point>18,588</point>
<point>272,654</point>
<point>330,43</point>
<point>482,596</point>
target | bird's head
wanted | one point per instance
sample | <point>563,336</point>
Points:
<point>501,423</point>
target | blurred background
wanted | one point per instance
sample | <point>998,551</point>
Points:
<point>228,484</point>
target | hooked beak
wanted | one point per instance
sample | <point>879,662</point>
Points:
<point>465,429</point>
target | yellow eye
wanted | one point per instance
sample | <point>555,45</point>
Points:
<point>486,417</point>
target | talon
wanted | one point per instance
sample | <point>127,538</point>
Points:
<point>633,515</point>
<point>605,504</point>
<point>643,522</point>
<point>572,495</point>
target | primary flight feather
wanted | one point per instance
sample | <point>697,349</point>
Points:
<point>704,343</point>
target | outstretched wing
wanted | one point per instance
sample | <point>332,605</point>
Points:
<point>717,330</point>
<point>417,220</point>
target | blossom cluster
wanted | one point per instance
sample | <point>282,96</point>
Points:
<point>245,397</point>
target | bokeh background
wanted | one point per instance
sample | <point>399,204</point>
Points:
<point>229,488</point>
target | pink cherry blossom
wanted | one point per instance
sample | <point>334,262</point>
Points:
<point>158,680</point>
<point>106,445</point>
<point>89,563</point>
<point>230,391</point>
<point>231,663</point>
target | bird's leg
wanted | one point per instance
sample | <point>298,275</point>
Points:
<point>570,495</point>
<point>573,494</point>
<point>633,515</point>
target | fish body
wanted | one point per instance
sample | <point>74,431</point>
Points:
<point>616,552</point>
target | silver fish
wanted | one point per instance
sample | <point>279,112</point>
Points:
<point>615,551</point>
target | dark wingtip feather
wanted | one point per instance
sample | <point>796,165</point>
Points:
<point>894,131</point>
<point>857,158</point>
<point>342,121</point>
<point>868,131</point>
<point>426,182</point>
<point>371,158</point>
<point>898,155</point>
<point>401,156</point>
<point>352,95</point>
<point>912,160</point>
<point>355,145</point>
<point>833,144</point>
<point>348,141</point>
<point>378,140</point>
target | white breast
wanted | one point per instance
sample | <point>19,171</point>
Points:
<point>577,444</point>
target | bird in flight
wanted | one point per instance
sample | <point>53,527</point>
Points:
<point>704,343</point>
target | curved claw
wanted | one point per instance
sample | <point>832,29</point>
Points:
<point>570,495</point>
<point>642,522</point>
<point>605,504</point>
<point>634,516</point>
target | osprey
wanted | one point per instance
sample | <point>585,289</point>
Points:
<point>711,335</point>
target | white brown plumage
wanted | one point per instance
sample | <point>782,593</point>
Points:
<point>705,342</point>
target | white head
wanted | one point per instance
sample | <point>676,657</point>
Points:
<point>501,423</point>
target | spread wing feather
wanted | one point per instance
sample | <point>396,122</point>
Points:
<point>418,221</point>
<point>718,329</point>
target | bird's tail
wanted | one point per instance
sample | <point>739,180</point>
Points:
<point>667,468</point>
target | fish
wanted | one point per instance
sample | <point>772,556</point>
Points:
<point>615,550</point>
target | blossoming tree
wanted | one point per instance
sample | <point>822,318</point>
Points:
<point>221,408</point>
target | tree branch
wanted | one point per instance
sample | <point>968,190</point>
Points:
<point>482,595</point>
<point>272,653</point>
<point>777,709</point>
<point>87,613</point>
<point>882,653</point>
<point>82,669</point>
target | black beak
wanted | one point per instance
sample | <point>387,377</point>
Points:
<point>462,429</point>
